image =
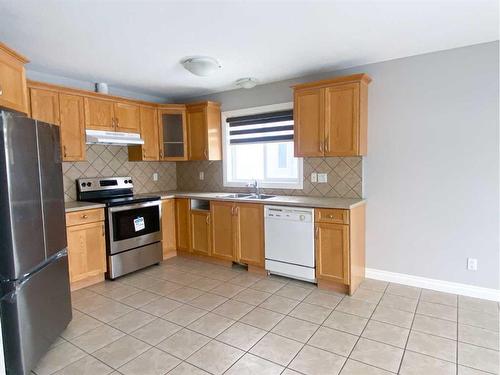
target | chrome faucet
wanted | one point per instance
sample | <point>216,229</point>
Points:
<point>255,185</point>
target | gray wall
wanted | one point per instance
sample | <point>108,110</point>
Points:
<point>86,85</point>
<point>432,171</point>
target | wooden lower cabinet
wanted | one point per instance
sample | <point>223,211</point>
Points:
<point>332,252</point>
<point>86,250</point>
<point>340,248</point>
<point>168,228</point>
<point>250,234</point>
<point>223,242</point>
<point>200,232</point>
<point>183,224</point>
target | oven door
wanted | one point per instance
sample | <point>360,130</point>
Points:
<point>134,225</point>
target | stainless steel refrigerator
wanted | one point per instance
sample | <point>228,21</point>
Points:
<point>35,302</point>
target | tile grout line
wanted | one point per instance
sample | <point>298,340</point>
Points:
<point>410,330</point>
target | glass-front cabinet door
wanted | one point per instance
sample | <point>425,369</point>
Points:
<point>173,132</point>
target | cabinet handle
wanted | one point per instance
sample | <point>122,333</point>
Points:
<point>316,233</point>
<point>143,153</point>
<point>102,227</point>
<point>327,143</point>
<point>320,146</point>
<point>64,151</point>
<point>205,153</point>
<point>330,216</point>
<point>161,154</point>
<point>208,220</point>
<point>84,216</point>
<point>1,91</point>
<point>237,210</point>
<point>232,210</point>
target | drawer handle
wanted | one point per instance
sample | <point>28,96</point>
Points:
<point>85,216</point>
<point>330,216</point>
<point>64,151</point>
<point>1,91</point>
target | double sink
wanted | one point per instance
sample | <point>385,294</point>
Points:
<point>246,196</point>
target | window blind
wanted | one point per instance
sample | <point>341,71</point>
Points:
<point>261,128</point>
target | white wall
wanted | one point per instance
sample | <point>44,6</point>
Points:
<point>432,170</point>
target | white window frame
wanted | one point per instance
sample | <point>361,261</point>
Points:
<point>225,147</point>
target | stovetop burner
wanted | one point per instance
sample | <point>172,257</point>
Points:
<point>111,191</point>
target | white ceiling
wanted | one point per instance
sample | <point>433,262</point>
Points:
<point>138,45</point>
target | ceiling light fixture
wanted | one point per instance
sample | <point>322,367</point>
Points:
<point>247,83</point>
<point>201,65</point>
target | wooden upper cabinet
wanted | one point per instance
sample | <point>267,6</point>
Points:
<point>149,133</point>
<point>183,224</point>
<point>308,119</point>
<point>200,232</point>
<point>223,239</point>
<point>332,252</point>
<point>45,105</point>
<point>172,132</point>
<point>330,117</point>
<point>250,233</point>
<point>72,127</point>
<point>204,131</point>
<point>13,90</point>
<point>99,114</point>
<point>127,117</point>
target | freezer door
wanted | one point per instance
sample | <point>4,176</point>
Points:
<point>21,222</point>
<point>51,182</point>
<point>34,314</point>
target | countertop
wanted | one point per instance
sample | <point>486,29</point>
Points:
<point>279,200</point>
<point>79,206</point>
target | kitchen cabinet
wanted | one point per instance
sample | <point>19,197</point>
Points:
<point>99,114</point>
<point>45,105</point>
<point>183,224</point>
<point>200,232</point>
<point>330,117</point>
<point>86,247</point>
<point>149,151</point>
<point>127,117</point>
<point>223,241</point>
<point>168,228</point>
<point>204,131</point>
<point>238,232</point>
<point>13,90</point>
<point>173,132</point>
<point>72,127</point>
<point>340,248</point>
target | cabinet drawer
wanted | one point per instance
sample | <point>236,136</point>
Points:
<point>331,215</point>
<point>83,217</point>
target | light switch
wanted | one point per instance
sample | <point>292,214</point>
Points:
<point>314,177</point>
<point>322,178</point>
<point>202,175</point>
<point>155,176</point>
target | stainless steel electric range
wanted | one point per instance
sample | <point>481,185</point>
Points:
<point>133,223</point>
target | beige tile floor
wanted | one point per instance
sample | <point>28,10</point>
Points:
<point>189,317</point>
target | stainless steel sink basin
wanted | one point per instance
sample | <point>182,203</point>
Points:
<point>260,196</point>
<point>235,195</point>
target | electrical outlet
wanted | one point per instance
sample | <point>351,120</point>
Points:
<point>155,176</point>
<point>322,178</point>
<point>472,264</point>
<point>202,175</point>
<point>314,177</point>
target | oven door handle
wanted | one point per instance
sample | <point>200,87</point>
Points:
<point>134,206</point>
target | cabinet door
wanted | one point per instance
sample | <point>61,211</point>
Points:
<point>72,127</point>
<point>200,232</point>
<point>308,116</point>
<point>168,227</point>
<point>342,120</point>
<point>99,114</point>
<point>173,134</point>
<point>45,105</point>
<point>149,133</point>
<point>332,252</point>
<point>127,117</point>
<point>13,91</point>
<point>223,239</point>
<point>182,224</point>
<point>86,251</point>
<point>197,133</point>
<point>250,233</point>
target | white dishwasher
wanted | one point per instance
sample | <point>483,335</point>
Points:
<point>289,240</point>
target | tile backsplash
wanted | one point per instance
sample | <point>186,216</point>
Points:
<point>109,161</point>
<point>344,177</point>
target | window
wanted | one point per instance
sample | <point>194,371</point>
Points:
<point>258,145</point>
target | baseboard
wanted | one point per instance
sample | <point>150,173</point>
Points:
<point>434,284</point>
